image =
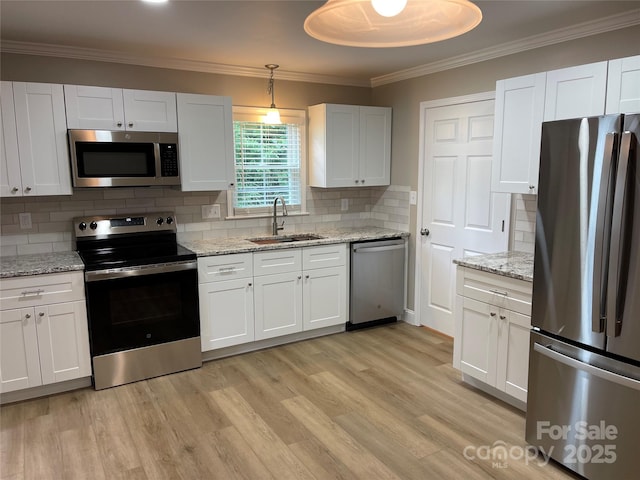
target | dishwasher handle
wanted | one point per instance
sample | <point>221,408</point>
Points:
<point>386,248</point>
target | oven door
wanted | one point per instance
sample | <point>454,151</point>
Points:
<point>138,307</point>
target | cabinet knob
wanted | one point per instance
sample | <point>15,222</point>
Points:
<point>119,124</point>
<point>532,187</point>
<point>307,277</point>
<point>14,189</point>
<point>131,124</point>
<point>299,277</point>
<point>357,181</point>
<point>424,232</point>
<point>362,181</point>
<point>250,284</point>
<point>502,317</point>
<point>27,316</point>
<point>41,314</point>
<point>493,314</point>
<point>27,189</point>
<point>231,184</point>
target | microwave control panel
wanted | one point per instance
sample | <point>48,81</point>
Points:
<point>169,159</point>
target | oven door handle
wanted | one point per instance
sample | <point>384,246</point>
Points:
<point>126,272</point>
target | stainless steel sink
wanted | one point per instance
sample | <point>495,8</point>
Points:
<point>285,239</point>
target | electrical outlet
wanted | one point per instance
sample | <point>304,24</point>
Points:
<point>25,220</point>
<point>344,204</point>
<point>211,211</point>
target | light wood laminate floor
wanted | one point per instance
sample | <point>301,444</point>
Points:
<point>382,403</point>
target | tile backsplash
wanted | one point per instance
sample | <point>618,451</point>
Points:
<point>523,222</point>
<point>51,217</point>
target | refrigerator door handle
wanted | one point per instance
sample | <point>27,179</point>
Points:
<point>585,367</point>
<point>616,287</point>
<point>605,198</point>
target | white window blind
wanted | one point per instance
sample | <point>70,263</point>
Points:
<point>268,161</point>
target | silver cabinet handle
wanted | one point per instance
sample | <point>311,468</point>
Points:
<point>227,269</point>
<point>498,292</point>
<point>39,291</point>
<point>424,232</point>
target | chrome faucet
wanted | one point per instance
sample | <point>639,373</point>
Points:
<point>276,228</point>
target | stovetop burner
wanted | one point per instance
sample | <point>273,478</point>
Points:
<point>127,241</point>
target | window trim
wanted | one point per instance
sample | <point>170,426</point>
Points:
<point>293,116</point>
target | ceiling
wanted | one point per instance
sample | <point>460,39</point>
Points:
<point>241,36</point>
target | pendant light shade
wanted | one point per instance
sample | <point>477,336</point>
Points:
<point>273,115</point>
<point>357,23</point>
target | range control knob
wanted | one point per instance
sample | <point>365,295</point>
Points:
<point>160,221</point>
<point>82,226</point>
<point>169,220</point>
<point>93,225</point>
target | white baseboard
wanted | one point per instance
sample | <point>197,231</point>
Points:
<point>409,317</point>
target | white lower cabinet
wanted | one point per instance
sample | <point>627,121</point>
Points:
<point>493,319</point>
<point>248,297</point>
<point>43,343</point>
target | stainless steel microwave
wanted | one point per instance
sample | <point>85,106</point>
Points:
<point>101,158</point>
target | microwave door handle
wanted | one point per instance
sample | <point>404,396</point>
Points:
<point>620,229</point>
<point>603,223</point>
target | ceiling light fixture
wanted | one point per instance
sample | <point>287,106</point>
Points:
<point>367,23</point>
<point>273,115</point>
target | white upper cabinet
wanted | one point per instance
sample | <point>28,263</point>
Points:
<point>350,145</point>
<point>576,92</point>
<point>623,85</point>
<point>35,159</point>
<point>103,108</point>
<point>519,111</point>
<point>205,129</point>
<point>523,103</point>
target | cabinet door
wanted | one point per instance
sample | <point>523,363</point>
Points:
<point>519,111</point>
<point>324,297</point>
<point>206,142</point>
<point>576,92</point>
<point>148,111</point>
<point>94,108</point>
<point>478,340</point>
<point>10,180</point>
<point>623,85</point>
<point>513,354</point>
<point>375,146</point>
<point>226,313</point>
<point>19,360</point>
<point>278,304</point>
<point>63,341</point>
<point>342,154</point>
<point>42,139</point>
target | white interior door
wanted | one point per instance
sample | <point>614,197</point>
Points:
<point>460,215</point>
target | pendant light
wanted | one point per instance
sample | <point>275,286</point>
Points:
<point>273,115</point>
<point>391,23</point>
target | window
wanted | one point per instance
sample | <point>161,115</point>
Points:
<point>269,162</point>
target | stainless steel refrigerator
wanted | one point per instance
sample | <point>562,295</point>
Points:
<point>583,406</point>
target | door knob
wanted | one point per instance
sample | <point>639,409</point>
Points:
<point>424,232</point>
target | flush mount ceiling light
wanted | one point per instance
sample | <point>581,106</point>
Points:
<point>273,115</point>
<point>391,23</point>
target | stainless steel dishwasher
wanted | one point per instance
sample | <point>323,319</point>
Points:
<point>377,282</point>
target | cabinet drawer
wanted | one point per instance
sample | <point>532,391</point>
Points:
<point>225,267</point>
<point>35,290</point>
<point>498,290</point>
<point>324,256</point>
<point>277,261</point>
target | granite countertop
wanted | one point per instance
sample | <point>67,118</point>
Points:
<point>517,265</point>
<point>39,263</point>
<point>222,246</point>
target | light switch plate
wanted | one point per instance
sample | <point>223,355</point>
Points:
<point>211,211</point>
<point>25,220</point>
<point>413,197</point>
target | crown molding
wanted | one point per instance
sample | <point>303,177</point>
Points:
<point>581,30</point>
<point>603,25</point>
<point>91,54</point>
